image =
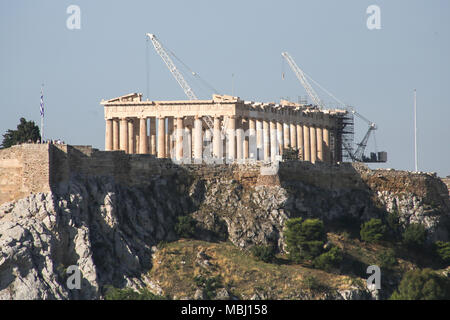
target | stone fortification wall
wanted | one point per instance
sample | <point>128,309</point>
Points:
<point>33,168</point>
<point>24,169</point>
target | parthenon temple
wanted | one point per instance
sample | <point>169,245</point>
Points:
<point>224,129</point>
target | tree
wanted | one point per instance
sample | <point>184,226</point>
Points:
<point>26,131</point>
<point>386,259</point>
<point>422,285</point>
<point>264,253</point>
<point>186,227</point>
<point>304,239</point>
<point>329,260</point>
<point>414,235</point>
<point>393,224</point>
<point>443,251</point>
<point>373,230</point>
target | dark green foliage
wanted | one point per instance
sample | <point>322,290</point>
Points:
<point>264,253</point>
<point>209,285</point>
<point>443,251</point>
<point>186,227</point>
<point>304,239</point>
<point>130,294</point>
<point>373,230</point>
<point>414,235</point>
<point>329,260</point>
<point>386,259</point>
<point>422,285</point>
<point>26,131</point>
<point>393,224</point>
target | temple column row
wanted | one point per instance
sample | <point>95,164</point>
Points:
<point>245,138</point>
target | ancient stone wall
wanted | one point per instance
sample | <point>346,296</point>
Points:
<point>32,168</point>
<point>24,169</point>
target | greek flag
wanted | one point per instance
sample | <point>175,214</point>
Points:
<point>42,103</point>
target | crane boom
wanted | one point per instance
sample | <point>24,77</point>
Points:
<point>302,78</point>
<point>358,155</point>
<point>172,68</point>
<point>177,75</point>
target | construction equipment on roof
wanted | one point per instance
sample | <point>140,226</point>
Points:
<point>164,54</point>
<point>347,122</point>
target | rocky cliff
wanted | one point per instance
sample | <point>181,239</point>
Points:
<point>109,229</point>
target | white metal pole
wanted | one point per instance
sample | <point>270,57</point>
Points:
<point>415,131</point>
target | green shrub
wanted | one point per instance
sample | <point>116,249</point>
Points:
<point>414,235</point>
<point>264,253</point>
<point>329,260</point>
<point>393,224</point>
<point>304,239</point>
<point>209,285</point>
<point>443,251</point>
<point>422,285</point>
<point>386,259</point>
<point>186,227</point>
<point>130,294</point>
<point>373,230</point>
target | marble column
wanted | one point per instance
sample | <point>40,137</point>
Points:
<point>239,139</point>
<point>273,140</point>
<point>197,140</point>
<point>280,137</point>
<point>313,139</point>
<point>259,140</point>
<point>266,138</point>
<point>116,134</point>
<point>187,144</point>
<point>217,139</point>
<point>153,136</point>
<point>179,144</point>
<point>231,130</point>
<point>300,142</point>
<point>326,145</point>
<point>136,130</point>
<point>169,137</point>
<point>252,138</point>
<point>131,140</point>
<point>124,134</point>
<point>207,147</point>
<point>161,137</point>
<point>143,139</point>
<point>306,143</point>
<point>109,135</point>
<point>286,136</point>
<point>245,125</point>
<point>293,135</point>
<point>319,133</point>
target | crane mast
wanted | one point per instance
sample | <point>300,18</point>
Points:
<point>302,78</point>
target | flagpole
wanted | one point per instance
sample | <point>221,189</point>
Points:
<point>415,131</point>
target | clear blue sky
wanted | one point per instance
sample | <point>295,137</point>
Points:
<point>373,70</point>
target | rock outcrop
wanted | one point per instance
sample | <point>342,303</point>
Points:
<point>103,228</point>
<point>108,229</point>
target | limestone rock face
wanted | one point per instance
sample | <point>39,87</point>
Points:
<point>109,231</point>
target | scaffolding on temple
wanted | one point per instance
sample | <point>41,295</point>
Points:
<point>347,132</point>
